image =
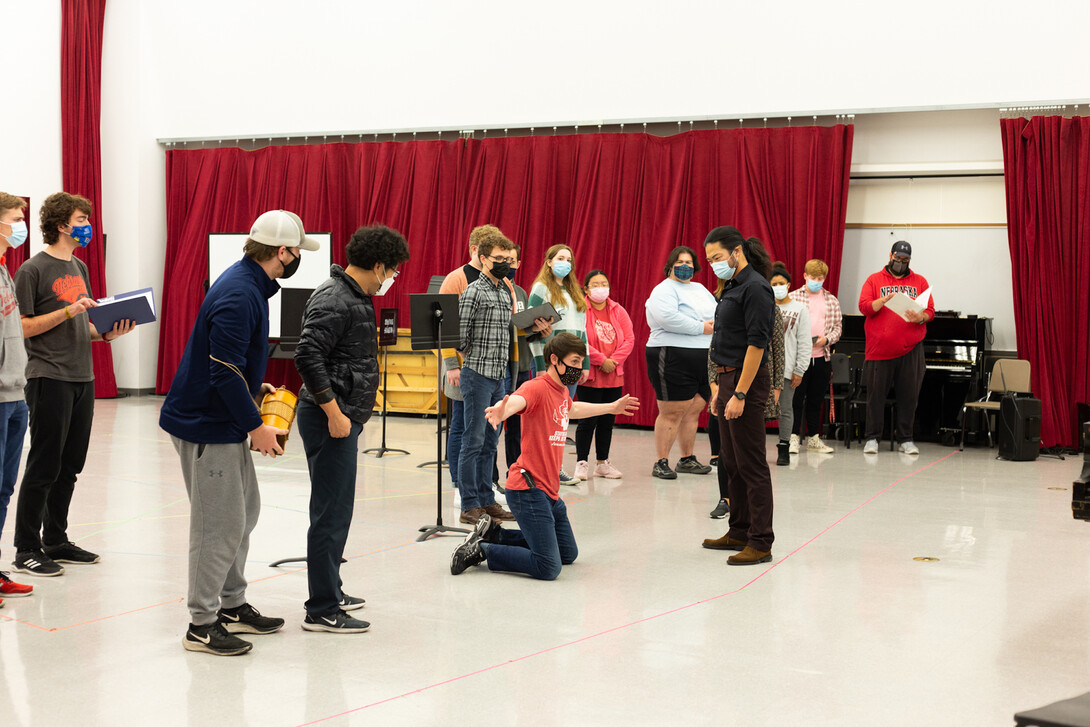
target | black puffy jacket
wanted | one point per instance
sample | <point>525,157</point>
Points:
<point>337,354</point>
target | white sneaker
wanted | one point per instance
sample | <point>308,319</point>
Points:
<point>793,447</point>
<point>582,470</point>
<point>814,444</point>
<point>909,448</point>
<point>871,447</point>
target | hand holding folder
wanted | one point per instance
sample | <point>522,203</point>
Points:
<point>137,306</point>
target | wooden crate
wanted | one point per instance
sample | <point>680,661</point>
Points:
<point>411,380</point>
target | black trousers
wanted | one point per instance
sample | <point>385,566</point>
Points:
<point>905,374</point>
<point>332,466</point>
<point>742,455</point>
<point>599,428</point>
<point>721,470</point>
<point>60,430</point>
<point>809,396</point>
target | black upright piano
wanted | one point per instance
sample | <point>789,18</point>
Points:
<point>954,351</point>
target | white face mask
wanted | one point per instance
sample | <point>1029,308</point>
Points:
<point>386,284</point>
<point>780,291</point>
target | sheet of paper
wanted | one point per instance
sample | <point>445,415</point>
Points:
<point>901,303</point>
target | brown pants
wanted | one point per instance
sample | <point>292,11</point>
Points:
<point>742,452</point>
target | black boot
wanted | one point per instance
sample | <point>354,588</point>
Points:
<point>782,457</point>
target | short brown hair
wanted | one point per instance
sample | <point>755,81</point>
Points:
<point>564,344</point>
<point>259,252</point>
<point>816,268</point>
<point>480,232</point>
<point>11,202</point>
<point>494,242</point>
<point>57,210</point>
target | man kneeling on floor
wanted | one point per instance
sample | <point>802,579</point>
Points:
<point>544,541</point>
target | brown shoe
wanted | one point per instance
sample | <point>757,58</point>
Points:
<point>749,556</point>
<point>724,543</point>
<point>471,516</point>
<point>496,512</point>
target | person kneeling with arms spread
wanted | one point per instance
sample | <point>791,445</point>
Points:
<point>544,541</point>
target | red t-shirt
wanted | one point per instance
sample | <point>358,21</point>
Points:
<point>544,432</point>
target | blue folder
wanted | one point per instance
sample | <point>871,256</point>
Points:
<point>137,306</point>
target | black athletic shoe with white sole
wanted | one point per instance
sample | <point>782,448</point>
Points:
<point>467,554</point>
<point>689,465</point>
<point>246,619</point>
<point>71,553</point>
<point>350,603</point>
<point>338,623</point>
<point>36,563</point>
<point>213,639</point>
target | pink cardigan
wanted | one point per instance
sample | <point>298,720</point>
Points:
<point>626,341</point>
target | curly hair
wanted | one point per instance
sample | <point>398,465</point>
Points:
<point>57,210</point>
<point>491,239</point>
<point>556,291</point>
<point>480,232</point>
<point>374,245</point>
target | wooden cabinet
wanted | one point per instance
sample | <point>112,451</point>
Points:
<point>411,380</point>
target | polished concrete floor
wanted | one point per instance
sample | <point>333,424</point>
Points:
<point>844,627</point>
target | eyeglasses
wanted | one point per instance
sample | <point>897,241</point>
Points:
<point>510,260</point>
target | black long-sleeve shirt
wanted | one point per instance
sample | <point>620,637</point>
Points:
<point>743,318</point>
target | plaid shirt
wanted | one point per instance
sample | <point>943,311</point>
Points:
<point>484,311</point>
<point>834,319</point>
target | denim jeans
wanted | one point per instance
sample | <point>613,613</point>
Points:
<point>479,440</point>
<point>332,465</point>
<point>456,427</point>
<point>543,542</point>
<point>13,422</point>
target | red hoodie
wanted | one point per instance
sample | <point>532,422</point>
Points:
<point>889,335</point>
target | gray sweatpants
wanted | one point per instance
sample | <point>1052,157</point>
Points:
<point>224,504</point>
<point>787,409</point>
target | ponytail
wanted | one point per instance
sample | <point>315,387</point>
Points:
<point>757,256</point>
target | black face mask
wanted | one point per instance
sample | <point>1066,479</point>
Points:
<point>898,267</point>
<point>291,267</point>
<point>570,376</point>
<point>500,270</point>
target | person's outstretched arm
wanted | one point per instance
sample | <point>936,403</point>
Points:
<point>626,405</point>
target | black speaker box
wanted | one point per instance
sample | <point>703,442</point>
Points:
<point>1019,428</point>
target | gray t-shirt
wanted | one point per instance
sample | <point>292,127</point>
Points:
<point>13,353</point>
<point>44,284</point>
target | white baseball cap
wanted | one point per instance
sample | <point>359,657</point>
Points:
<point>278,228</point>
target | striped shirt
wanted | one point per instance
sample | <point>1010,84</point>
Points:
<point>484,311</point>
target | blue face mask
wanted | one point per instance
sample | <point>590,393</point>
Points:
<point>18,234</point>
<point>511,273</point>
<point>81,234</point>
<point>723,269</point>
<point>683,272</point>
<point>561,268</point>
<point>814,285</point>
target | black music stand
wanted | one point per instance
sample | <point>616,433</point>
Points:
<point>434,321</point>
<point>433,287</point>
<point>387,336</point>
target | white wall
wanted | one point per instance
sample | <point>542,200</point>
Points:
<point>30,160</point>
<point>222,69</point>
<point>269,66</point>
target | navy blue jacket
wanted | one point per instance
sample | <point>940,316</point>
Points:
<point>208,402</point>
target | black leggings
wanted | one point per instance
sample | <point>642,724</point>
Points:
<point>810,394</point>
<point>599,428</point>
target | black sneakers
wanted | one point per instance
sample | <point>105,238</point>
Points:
<point>662,470</point>
<point>213,639</point>
<point>71,553</point>
<point>690,466</point>
<point>36,563</point>
<point>487,530</point>
<point>350,603</point>
<point>246,619</point>
<point>721,510</point>
<point>470,552</point>
<point>339,623</point>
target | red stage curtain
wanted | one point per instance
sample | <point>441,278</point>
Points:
<point>622,201</point>
<point>1046,165</point>
<point>81,154</point>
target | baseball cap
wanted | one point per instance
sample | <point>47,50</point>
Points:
<point>281,228</point>
<point>902,248</point>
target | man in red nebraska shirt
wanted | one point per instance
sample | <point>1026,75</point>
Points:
<point>894,355</point>
<point>544,541</point>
